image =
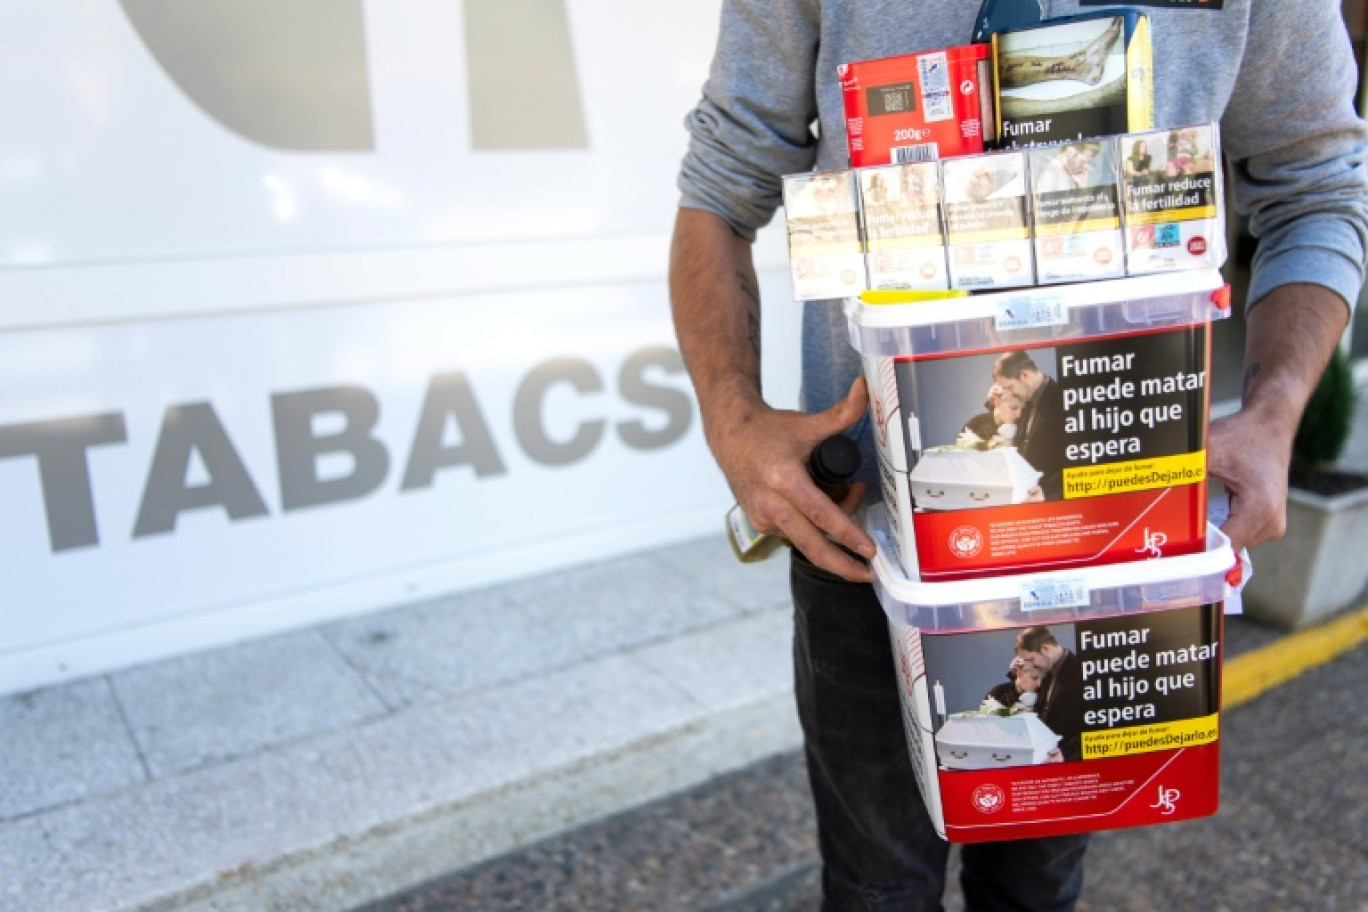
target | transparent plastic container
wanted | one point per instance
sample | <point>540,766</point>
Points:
<point>1128,362</point>
<point>1137,744</point>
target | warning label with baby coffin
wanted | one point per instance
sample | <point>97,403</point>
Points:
<point>1085,452</point>
<point>1107,721</point>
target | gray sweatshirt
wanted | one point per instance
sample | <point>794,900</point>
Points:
<point>1278,75</point>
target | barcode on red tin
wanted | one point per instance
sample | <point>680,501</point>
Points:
<point>921,153</point>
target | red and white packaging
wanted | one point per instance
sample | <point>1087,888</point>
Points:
<point>1102,462</point>
<point>1116,724</point>
<point>919,107</point>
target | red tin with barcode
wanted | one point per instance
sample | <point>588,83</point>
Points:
<point>918,107</point>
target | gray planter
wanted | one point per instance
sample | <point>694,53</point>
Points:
<point>1320,567</point>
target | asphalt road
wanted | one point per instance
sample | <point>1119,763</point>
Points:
<point>1289,835</point>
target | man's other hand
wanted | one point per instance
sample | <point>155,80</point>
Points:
<point>764,456</point>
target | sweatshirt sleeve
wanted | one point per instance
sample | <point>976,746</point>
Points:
<point>754,122</point>
<point>1297,149</point>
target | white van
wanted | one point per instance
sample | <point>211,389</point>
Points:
<point>310,307</point>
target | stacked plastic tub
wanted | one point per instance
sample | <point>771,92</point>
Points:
<point>1068,547</point>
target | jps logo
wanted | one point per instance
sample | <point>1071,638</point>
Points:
<point>1154,543</point>
<point>1168,801</point>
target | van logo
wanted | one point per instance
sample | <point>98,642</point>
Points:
<point>196,465</point>
<point>294,74</point>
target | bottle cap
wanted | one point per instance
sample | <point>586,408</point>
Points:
<point>835,460</point>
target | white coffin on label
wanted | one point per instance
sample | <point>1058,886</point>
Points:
<point>964,479</point>
<point>983,742</point>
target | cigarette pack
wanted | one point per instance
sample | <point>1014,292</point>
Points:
<point>1076,216</point>
<point>1073,78</point>
<point>986,221</point>
<point>826,256</point>
<point>918,107</point>
<point>904,237</point>
<point>1172,197</point>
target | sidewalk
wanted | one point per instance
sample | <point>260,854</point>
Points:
<point>324,768</point>
<point>334,766</point>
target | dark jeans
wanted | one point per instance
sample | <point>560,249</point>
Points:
<point>879,851</point>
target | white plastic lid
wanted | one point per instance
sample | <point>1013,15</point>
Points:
<point>982,305</point>
<point>1203,573</point>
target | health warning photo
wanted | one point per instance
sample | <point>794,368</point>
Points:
<point>992,427</point>
<point>1104,416</point>
<point>1062,67</point>
<point>1005,697</point>
<point>1073,79</point>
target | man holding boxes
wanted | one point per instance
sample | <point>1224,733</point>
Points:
<point>1297,148</point>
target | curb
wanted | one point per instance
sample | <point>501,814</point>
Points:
<point>1253,673</point>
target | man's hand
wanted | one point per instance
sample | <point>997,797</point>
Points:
<point>1291,333</point>
<point>764,457</point>
<point>1251,461</point>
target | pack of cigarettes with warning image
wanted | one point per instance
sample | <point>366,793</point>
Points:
<point>1172,199</point>
<point>904,236</point>
<point>1076,214</point>
<point>826,256</point>
<point>918,107</point>
<point>987,227</point>
<point>1077,77</point>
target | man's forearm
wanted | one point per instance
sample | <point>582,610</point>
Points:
<point>1291,333</point>
<point>715,301</point>
<point>762,451</point>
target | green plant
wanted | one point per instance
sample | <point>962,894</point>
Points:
<point>1328,420</point>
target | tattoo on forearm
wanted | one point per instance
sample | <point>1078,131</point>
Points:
<point>748,287</point>
<point>1250,373</point>
<point>752,292</point>
<point>753,330</point>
